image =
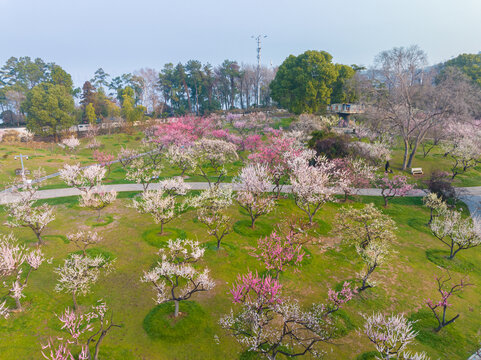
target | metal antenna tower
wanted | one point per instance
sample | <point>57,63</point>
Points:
<point>258,75</point>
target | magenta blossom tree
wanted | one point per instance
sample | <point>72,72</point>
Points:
<point>446,291</point>
<point>390,188</point>
<point>270,325</point>
<point>277,251</point>
<point>104,159</point>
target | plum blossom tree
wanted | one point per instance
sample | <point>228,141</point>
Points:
<point>13,258</point>
<point>277,251</point>
<point>211,155</point>
<point>373,255</point>
<point>360,227</point>
<point>391,335</point>
<point>141,171</point>
<point>105,159</point>
<point>211,207</point>
<point>96,199</point>
<point>181,156</point>
<point>24,213</point>
<point>254,184</point>
<point>175,278</point>
<point>464,149</point>
<point>83,239</point>
<point>440,307</point>
<point>83,179</point>
<point>71,143</point>
<point>126,155</point>
<point>435,204</point>
<point>84,330</point>
<point>390,188</point>
<point>456,232</point>
<point>160,203</point>
<point>311,185</point>
<point>376,153</point>
<point>79,273</point>
<point>271,326</point>
<point>274,153</point>
<point>352,174</point>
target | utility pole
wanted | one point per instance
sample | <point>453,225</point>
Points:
<point>21,157</point>
<point>258,75</point>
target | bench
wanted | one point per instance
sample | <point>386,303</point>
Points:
<point>417,171</point>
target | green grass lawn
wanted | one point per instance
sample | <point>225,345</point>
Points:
<point>434,161</point>
<point>132,240</point>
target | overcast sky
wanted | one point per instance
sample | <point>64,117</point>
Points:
<point>122,36</point>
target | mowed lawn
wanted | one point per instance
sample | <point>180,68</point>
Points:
<point>403,283</point>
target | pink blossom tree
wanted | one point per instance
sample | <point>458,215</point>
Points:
<point>254,186</point>
<point>104,159</point>
<point>273,153</point>
<point>456,232</point>
<point>391,336</point>
<point>84,330</point>
<point>175,278</point>
<point>446,291</point>
<point>390,188</point>
<point>13,259</point>
<point>352,174</point>
<point>277,251</point>
<point>270,325</point>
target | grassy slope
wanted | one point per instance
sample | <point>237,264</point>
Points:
<point>405,282</point>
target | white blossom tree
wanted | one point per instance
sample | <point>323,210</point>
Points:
<point>456,232</point>
<point>391,335</point>
<point>79,273</point>
<point>13,257</point>
<point>373,256</point>
<point>211,156</point>
<point>360,227</point>
<point>83,179</point>
<point>181,156</point>
<point>142,172</point>
<point>83,239</point>
<point>435,204</point>
<point>254,191</point>
<point>24,213</point>
<point>211,207</point>
<point>312,186</point>
<point>71,143</point>
<point>96,199</point>
<point>175,278</point>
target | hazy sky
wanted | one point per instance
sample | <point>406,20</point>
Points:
<point>123,36</point>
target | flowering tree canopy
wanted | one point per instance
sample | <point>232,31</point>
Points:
<point>13,256</point>
<point>83,239</point>
<point>390,188</point>
<point>311,185</point>
<point>210,156</point>
<point>181,156</point>
<point>456,232</point>
<point>24,213</point>
<point>83,329</point>
<point>83,179</point>
<point>159,204</point>
<point>79,273</point>
<point>277,251</point>
<point>270,325</point>
<point>96,199</point>
<point>391,335</point>
<point>70,143</point>
<point>211,207</point>
<point>143,172</point>
<point>360,227</point>
<point>254,183</point>
<point>175,278</point>
<point>435,204</point>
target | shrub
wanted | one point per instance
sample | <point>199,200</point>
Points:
<point>331,145</point>
<point>440,183</point>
